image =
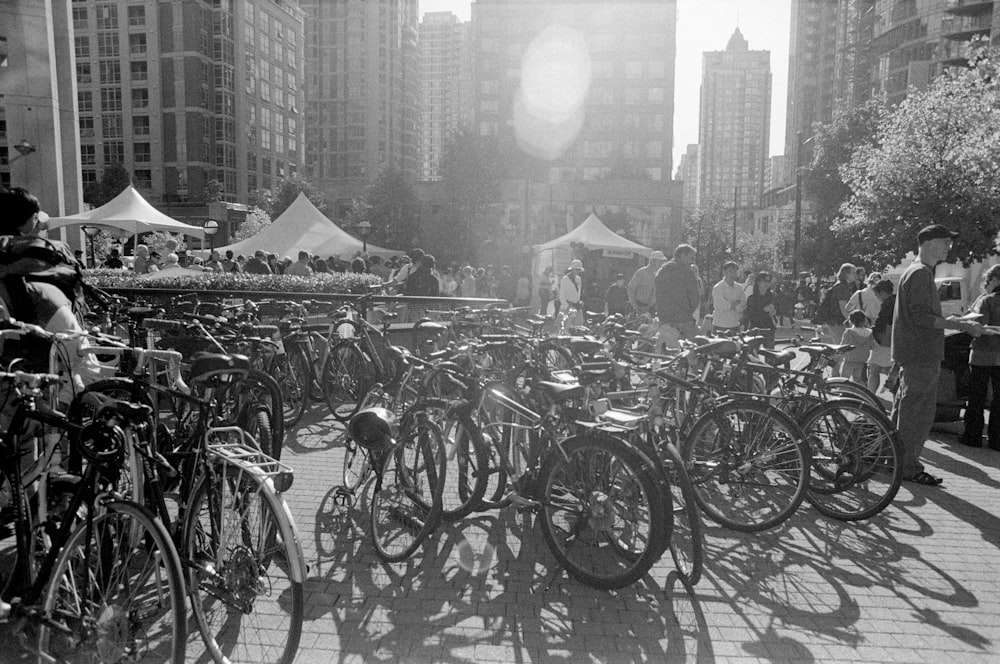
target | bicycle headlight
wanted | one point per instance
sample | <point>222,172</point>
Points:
<point>372,428</point>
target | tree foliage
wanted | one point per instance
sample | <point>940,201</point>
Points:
<point>765,251</point>
<point>935,160</point>
<point>391,207</point>
<point>159,241</point>
<point>114,180</point>
<point>709,229</point>
<point>256,221</point>
<point>289,190</point>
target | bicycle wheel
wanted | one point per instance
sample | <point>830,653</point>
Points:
<point>347,375</point>
<point>842,388</point>
<point>293,372</point>
<point>600,510</point>
<point>749,465</point>
<point>465,476</point>
<point>406,502</point>
<point>243,568</point>
<point>118,595</point>
<point>687,544</point>
<point>258,425</point>
<point>857,459</point>
<point>555,357</point>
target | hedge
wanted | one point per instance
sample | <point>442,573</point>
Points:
<point>324,282</point>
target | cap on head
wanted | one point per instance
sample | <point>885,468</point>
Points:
<point>657,256</point>
<point>576,264</point>
<point>935,232</point>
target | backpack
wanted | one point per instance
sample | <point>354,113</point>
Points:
<point>828,312</point>
<point>29,258</point>
<point>883,323</point>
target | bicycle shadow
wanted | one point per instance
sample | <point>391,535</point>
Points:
<point>317,431</point>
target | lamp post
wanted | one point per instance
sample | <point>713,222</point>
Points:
<point>24,148</point>
<point>799,144</point>
<point>364,229</point>
<point>90,232</point>
<point>211,227</point>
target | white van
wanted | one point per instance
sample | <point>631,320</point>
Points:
<point>954,296</point>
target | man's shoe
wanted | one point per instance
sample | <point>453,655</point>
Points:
<point>925,478</point>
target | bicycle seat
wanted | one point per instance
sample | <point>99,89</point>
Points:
<point>582,344</point>
<point>718,347</point>
<point>263,330</point>
<point>206,367</point>
<point>560,391</point>
<point>322,328</point>
<point>431,325</point>
<point>388,315</point>
<point>622,418</point>
<point>592,372</point>
<point>825,350</point>
<point>535,319</point>
<point>133,413</point>
<point>775,358</point>
<point>138,313</point>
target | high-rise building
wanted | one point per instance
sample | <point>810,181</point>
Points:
<point>734,124</point>
<point>196,98</point>
<point>445,87</point>
<point>687,172</point>
<point>587,86</point>
<point>39,147</point>
<point>362,93</point>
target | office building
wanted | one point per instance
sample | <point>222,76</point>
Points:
<point>733,131</point>
<point>39,147</point>
<point>362,94</point>
<point>445,87</point>
<point>197,99</point>
<point>687,172</point>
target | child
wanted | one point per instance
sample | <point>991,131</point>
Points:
<point>859,336</point>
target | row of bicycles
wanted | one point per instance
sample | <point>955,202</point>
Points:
<point>150,496</point>
<point>619,449</point>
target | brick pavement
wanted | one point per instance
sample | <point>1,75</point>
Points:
<point>915,584</point>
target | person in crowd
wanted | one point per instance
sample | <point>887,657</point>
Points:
<point>197,263</point>
<point>728,302</point>
<point>469,285</point>
<point>377,267</point>
<point>677,297</point>
<point>482,287</point>
<point>833,308</point>
<point>359,266</point>
<point>860,278</point>
<point>491,281</point>
<point>545,290</point>
<point>228,264</point>
<point>410,264</point>
<point>183,259</point>
<point>918,348</point>
<point>806,295</point>
<point>241,263</point>
<point>522,292</point>
<point>257,264</point>
<point>114,261</point>
<point>858,335</point>
<point>642,286</point>
<point>880,359</point>
<point>78,255</point>
<point>507,285</point>
<point>865,300</point>
<point>319,265</point>
<point>422,280</point>
<point>448,284</point>
<point>286,261</point>
<point>784,302</point>
<point>171,262</point>
<point>616,297</point>
<point>141,261</point>
<point>760,308</point>
<point>984,368</point>
<point>571,293</point>
<point>155,260</point>
<point>272,263</point>
<point>300,268</point>
<point>214,262</point>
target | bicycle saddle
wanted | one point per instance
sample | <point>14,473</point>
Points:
<point>560,391</point>
<point>825,350</point>
<point>206,367</point>
<point>133,413</point>
<point>720,347</point>
<point>775,358</point>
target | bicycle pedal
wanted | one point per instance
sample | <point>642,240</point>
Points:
<point>343,497</point>
<point>521,501</point>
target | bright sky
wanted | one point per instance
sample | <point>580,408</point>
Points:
<point>706,25</point>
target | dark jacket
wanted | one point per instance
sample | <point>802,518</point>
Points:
<point>256,266</point>
<point>677,295</point>
<point>422,282</point>
<point>915,340</point>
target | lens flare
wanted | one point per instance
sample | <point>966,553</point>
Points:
<point>555,79</point>
<point>473,562</point>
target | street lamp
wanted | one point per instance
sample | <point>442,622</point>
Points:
<point>91,232</point>
<point>25,148</point>
<point>211,227</point>
<point>364,229</point>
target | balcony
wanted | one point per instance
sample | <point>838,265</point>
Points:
<point>965,27</point>
<point>967,7</point>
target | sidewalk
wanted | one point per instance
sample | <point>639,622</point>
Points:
<point>918,583</point>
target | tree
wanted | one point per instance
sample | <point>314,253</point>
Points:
<point>158,240</point>
<point>709,229</point>
<point>256,221</point>
<point>114,180</point>
<point>765,251</point>
<point>935,161</point>
<point>289,189</point>
<point>390,206</point>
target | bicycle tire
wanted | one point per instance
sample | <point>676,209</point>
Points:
<point>857,460</point>
<point>236,559</point>
<point>405,505</point>
<point>241,403</point>
<point>588,486</point>
<point>843,388</point>
<point>749,464</point>
<point>293,372</point>
<point>347,375</point>
<point>259,426</point>
<point>687,542</point>
<point>142,562</point>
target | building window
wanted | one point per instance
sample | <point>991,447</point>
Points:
<point>633,69</point>
<point>81,46</point>
<point>111,126</point>
<point>88,177</point>
<point>137,44</point>
<point>107,45</point>
<point>111,73</point>
<point>111,99</point>
<point>140,98</point>
<point>85,101</point>
<point>144,179</point>
<point>80,18</point>
<point>140,70</point>
<point>107,17</point>
<point>114,152</point>
<point>86,126</point>
<point>83,73</point>
<point>141,152</point>
<point>88,155</point>
<point>140,125</point>
<point>136,15</point>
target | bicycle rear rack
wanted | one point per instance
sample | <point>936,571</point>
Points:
<point>247,455</point>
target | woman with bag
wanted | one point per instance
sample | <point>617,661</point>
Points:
<point>760,309</point>
<point>880,358</point>
<point>984,367</point>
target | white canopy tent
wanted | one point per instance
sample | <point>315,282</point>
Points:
<point>593,234</point>
<point>128,212</point>
<point>302,227</point>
